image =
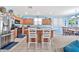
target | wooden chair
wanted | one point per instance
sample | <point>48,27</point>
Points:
<point>32,37</point>
<point>46,38</point>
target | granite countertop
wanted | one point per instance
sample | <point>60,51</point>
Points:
<point>6,34</point>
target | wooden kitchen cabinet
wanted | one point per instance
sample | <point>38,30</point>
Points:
<point>46,21</point>
<point>52,33</point>
<point>26,33</point>
<point>19,31</point>
<point>27,21</point>
<point>5,39</point>
<point>39,35</point>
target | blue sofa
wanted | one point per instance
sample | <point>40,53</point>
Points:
<point>77,33</point>
<point>72,47</point>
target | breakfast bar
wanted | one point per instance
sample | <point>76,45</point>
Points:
<point>39,33</point>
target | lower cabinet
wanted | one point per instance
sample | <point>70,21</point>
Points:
<point>5,39</point>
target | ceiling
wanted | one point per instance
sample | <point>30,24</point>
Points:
<point>45,10</point>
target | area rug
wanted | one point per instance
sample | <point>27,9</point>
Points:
<point>9,46</point>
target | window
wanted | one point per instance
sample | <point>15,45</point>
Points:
<point>73,22</point>
<point>38,21</point>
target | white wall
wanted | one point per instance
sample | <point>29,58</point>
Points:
<point>58,21</point>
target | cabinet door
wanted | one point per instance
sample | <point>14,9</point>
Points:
<point>46,21</point>
<point>27,21</point>
<point>19,31</point>
<point>39,35</point>
<point>1,42</point>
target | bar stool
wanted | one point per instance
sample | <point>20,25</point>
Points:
<point>32,37</point>
<point>46,38</point>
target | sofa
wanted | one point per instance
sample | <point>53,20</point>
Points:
<point>77,33</point>
<point>72,47</point>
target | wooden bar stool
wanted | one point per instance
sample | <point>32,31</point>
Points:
<point>32,37</point>
<point>46,38</point>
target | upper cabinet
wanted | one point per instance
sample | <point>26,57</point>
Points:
<point>34,21</point>
<point>28,21</point>
<point>47,21</point>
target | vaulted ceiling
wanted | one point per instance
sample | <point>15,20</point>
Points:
<point>45,10</point>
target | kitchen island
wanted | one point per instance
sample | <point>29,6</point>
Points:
<point>39,33</point>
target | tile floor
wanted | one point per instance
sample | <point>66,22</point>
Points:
<point>58,42</point>
<point>23,47</point>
